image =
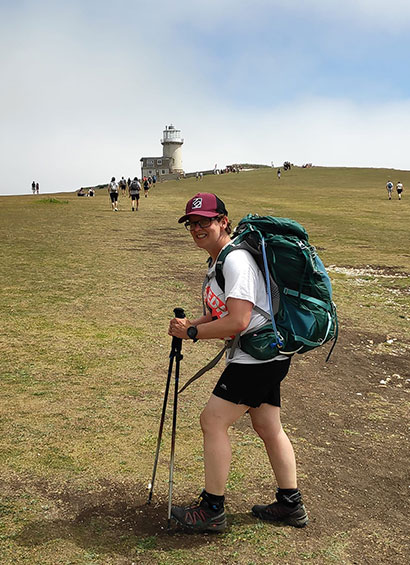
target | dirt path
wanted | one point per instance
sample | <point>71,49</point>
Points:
<point>352,443</point>
<point>349,433</point>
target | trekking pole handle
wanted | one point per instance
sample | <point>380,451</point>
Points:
<point>177,341</point>
<point>179,313</point>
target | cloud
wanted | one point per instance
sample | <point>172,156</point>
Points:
<point>325,132</point>
<point>88,87</point>
<point>365,12</point>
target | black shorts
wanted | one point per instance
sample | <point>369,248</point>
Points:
<point>135,196</point>
<point>252,385</point>
<point>114,196</point>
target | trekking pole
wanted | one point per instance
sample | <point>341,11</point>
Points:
<point>178,357</point>
<point>179,313</point>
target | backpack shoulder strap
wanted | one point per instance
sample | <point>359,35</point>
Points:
<point>250,247</point>
<point>220,279</point>
<point>243,244</point>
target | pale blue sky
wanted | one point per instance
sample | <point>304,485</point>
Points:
<point>88,86</point>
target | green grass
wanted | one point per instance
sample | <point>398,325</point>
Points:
<point>51,201</point>
<point>86,299</point>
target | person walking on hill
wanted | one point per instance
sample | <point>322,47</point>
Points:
<point>246,384</point>
<point>389,188</point>
<point>134,192</point>
<point>399,189</point>
<point>123,185</point>
<point>113,191</point>
<point>146,187</point>
<point>33,187</point>
<point>278,173</point>
<point>37,188</point>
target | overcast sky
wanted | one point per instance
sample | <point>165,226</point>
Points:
<point>87,86</point>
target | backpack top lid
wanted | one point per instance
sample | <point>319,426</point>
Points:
<point>270,224</point>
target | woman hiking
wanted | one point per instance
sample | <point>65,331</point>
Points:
<point>246,384</point>
<point>113,189</point>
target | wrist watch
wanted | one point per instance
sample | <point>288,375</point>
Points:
<point>192,332</point>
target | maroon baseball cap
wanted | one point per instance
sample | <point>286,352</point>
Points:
<point>204,204</point>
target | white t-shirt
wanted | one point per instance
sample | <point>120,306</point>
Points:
<point>243,280</point>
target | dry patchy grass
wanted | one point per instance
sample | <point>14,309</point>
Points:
<point>87,294</point>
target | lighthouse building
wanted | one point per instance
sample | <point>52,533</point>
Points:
<point>170,164</point>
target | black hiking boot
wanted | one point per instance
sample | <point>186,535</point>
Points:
<point>201,516</point>
<point>286,509</point>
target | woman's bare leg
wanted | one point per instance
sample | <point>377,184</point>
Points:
<point>266,422</point>
<point>216,418</point>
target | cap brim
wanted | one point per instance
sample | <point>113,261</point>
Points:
<point>198,213</point>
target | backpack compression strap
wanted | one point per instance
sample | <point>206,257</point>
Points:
<point>279,341</point>
<point>228,343</point>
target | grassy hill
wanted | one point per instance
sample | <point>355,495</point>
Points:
<point>86,299</point>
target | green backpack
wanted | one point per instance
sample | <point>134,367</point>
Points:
<point>302,313</point>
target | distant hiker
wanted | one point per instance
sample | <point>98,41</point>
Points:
<point>37,188</point>
<point>91,192</point>
<point>129,182</point>
<point>399,188</point>
<point>154,180</point>
<point>247,385</point>
<point>197,176</point>
<point>123,185</point>
<point>146,187</point>
<point>113,191</point>
<point>134,193</point>
<point>150,181</point>
<point>201,175</point>
<point>278,173</point>
<point>81,192</point>
<point>33,186</point>
<point>389,188</point>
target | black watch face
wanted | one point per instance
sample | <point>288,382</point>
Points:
<point>192,331</point>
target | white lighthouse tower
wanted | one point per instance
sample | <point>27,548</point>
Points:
<point>172,148</point>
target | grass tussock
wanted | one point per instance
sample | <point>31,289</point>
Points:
<point>51,201</point>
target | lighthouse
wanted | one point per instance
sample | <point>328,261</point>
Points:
<point>172,148</point>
